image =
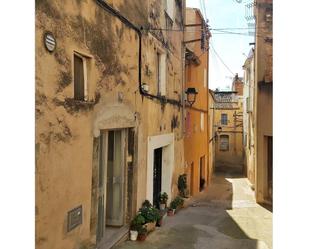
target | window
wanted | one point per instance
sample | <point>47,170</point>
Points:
<point>224,119</point>
<point>80,77</point>
<point>161,74</point>
<point>224,143</point>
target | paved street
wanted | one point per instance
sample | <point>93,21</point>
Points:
<point>223,217</point>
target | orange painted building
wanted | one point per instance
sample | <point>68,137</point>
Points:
<point>196,137</point>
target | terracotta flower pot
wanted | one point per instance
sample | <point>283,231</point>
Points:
<point>170,212</point>
<point>141,237</point>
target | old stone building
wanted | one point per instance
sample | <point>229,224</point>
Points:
<point>228,125</point>
<point>263,107</point>
<point>197,37</point>
<point>109,115</point>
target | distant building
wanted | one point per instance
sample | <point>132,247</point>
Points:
<point>228,125</point>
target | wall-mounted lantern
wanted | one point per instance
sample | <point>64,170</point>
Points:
<point>219,129</point>
<point>191,95</point>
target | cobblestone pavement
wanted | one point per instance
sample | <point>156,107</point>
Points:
<point>225,216</point>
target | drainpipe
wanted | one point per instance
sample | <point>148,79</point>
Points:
<point>124,20</point>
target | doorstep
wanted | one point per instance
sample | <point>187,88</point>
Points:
<point>120,236</point>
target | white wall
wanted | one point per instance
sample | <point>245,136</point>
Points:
<point>167,142</point>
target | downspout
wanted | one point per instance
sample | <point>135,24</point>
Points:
<point>116,13</point>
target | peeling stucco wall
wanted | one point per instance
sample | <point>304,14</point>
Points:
<point>66,129</point>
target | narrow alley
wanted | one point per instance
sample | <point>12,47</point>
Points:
<point>140,136</point>
<point>226,216</point>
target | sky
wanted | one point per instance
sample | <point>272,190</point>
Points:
<point>231,48</point>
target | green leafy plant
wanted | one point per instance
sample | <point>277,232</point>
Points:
<point>142,231</point>
<point>163,198</point>
<point>179,201</point>
<point>151,214</point>
<point>137,222</point>
<point>146,203</point>
<point>173,204</point>
<point>182,184</point>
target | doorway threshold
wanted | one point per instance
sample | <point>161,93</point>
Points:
<point>121,235</point>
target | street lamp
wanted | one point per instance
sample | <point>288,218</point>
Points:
<point>191,95</point>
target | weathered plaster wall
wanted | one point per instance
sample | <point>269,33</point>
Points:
<point>66,129</point>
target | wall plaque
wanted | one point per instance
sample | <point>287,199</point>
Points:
<point>75,218</point>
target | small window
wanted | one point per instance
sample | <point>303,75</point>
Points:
<point>224,119</point>
<point>161,74</point>
<point>224,143</point>
<point>80,77</point>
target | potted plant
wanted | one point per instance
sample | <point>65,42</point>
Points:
<point>171,210</point>
<point>142,234</point>
<point>162,215</point>
<point>136,224</point>
<point>151,215</point>
<point>182,184</point>
<point>179,202</point>
<point>163,200</point>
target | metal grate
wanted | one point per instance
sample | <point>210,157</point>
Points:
<point>75,217</point>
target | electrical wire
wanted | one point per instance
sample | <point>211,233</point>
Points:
<point>221,59</point>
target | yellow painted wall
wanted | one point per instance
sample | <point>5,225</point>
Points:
<point>233,158</point>
<point>196,137</point>
<point>66,130</point>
